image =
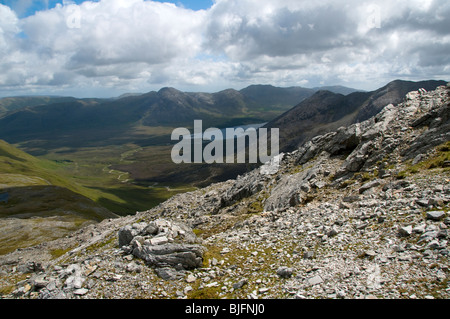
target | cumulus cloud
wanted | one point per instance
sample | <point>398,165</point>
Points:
<point>141,45</point>
<point>97,42</point>
<point>344,41</point>
<point>285,30</point>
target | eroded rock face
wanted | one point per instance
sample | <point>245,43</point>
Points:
<point>178,256</point>
<point>162,244</point>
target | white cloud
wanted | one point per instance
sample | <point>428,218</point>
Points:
<point>142,45</point>
<point>363,44</point>
<point>8,28</point>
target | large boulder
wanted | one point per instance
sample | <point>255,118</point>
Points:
<point>163,244</point>
<point>178,256</point>
<point>244,187</point>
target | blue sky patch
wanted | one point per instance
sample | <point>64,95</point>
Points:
<point>25,8</point>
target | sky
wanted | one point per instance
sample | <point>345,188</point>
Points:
<point>105,48</point>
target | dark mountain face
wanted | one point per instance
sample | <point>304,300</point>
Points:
<point>39,118</point>
<point>337,89</point>
<point>392,93</point>
<point>326,111</point>
<point>268,95</point>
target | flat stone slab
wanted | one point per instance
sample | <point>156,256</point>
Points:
<point>435,215</point>
<point>315,280</point>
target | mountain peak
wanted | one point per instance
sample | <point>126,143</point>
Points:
<point>169,90</point>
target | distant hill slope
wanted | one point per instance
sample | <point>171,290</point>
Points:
<point>21,170</point>
<point>326,111</point>
<point>337,89</point>
<point>9,104</point>
<point>37,205</point>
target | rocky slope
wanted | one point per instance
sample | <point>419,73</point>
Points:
<point>361,212</point>
<point>326,111</point>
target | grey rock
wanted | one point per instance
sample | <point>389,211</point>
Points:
<point>420,229</point>
<point>53,285</point>
<point>151,229</point>
<point>240,284</point>
<point>128,232</point>
<point>162,244</point>
<point>75,277</point>
<point>127,249</point>
<point>405,231</point>
<point>72,269</point>
<point>243,187</point>
<point>172,255</point>
<point>168,273</point>
<point>75,281</point>
<point>442,234</point>
<point>368,186</point>
<point>308,255</point>
<point>159,240</point>
<point>126,235</point>
<point>435,215</point>
<point>332,232</point>
<point>290,190</point>
<point>40,281</point>
<point>417,159</point>
<point>133,267</point>
<point>285,272</point>
<point>316,280</point>
<point>434,244</point>
<point>351,199</point>
<point>423,202</point>
<point>345,138</point>
<point>370,253</point>
<point>137,241</point>
<point>30,267</point>
<point>356,160</point>
<point>80,291</point>
<point>191,278</point>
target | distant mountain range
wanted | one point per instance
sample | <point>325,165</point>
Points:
<point>300,113</point>
<point>8,104</point>
<point>25,118</point>
<point>326,111</point>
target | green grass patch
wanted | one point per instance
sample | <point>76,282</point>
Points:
<point>204,293</point>
<point>56,253</point>
<point>440,158</point>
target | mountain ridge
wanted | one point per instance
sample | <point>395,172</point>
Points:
<point>115,118</point>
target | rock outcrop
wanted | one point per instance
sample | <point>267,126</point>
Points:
<point>162,244</point>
